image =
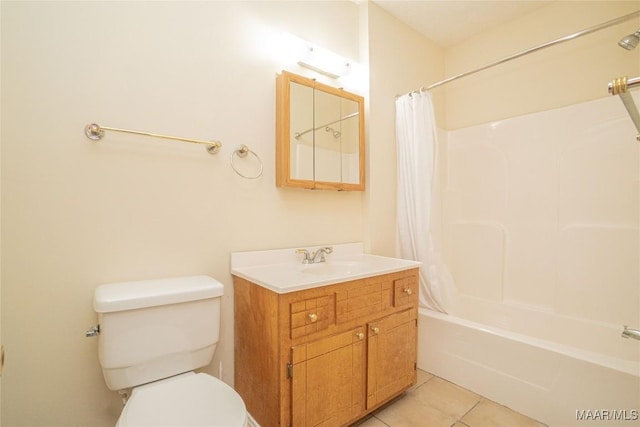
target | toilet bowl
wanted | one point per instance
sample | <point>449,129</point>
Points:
<point>184,400</point>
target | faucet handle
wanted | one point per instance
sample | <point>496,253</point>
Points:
<point>307,255</point>
<point>328,249</point>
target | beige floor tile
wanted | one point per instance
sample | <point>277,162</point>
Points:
<point>409,411</point>
<point>490,414</point>
<point>423,377</point>
<point>446,397</point>
<point>435,402</point>
<point>371,421</point>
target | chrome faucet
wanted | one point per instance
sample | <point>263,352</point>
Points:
<point>317,256</point>
<point>631,333</point>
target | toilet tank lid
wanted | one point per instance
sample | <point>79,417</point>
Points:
<point>148,293</point>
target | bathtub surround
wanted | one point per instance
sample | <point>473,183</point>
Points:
<point>541,225</point>
<point>541,211</point>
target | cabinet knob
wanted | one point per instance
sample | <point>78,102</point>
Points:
<point>375,330</point>
<point>408,291</point>
<point>360,335</point>
<point>313,317</point>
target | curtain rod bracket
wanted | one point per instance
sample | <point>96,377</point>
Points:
<point>620,86</point>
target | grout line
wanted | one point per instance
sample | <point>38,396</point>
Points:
<point>388,425</point>
<point>427,381</point>
<point>466,413</point>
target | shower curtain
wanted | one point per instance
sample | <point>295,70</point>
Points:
<point>416,148</point>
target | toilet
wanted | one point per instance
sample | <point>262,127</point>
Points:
<point>153,334</point>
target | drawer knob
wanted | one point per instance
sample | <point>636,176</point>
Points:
<point>408,291</point>
<point>360,335</point>
<point>313,317</point>
<point>375,330</point>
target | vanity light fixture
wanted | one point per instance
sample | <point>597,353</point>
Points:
<point>324,61</point>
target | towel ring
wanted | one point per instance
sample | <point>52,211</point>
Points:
<point>242,151</point>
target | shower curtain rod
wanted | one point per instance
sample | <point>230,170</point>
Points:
<point>537,48</point>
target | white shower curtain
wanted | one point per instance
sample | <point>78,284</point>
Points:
<point>416,148</point>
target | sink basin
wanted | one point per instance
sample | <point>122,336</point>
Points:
<point>334,268</point>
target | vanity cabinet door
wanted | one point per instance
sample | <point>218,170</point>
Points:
<point>391,355</point>
<point>329,380</point>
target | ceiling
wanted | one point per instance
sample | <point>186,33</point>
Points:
<point>448,22</point>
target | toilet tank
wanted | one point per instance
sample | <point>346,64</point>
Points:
<point>154,329</point>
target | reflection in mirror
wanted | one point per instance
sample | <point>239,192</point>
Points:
<point>301,152</point>
<point>350,141</point>
<point>320,132</point>
<point>327,136</point>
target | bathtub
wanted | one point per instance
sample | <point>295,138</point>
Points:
<point>558,370</point>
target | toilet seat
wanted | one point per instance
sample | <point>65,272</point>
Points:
<point>185,400</point>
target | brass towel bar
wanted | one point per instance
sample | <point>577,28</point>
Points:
<point>96,132</point>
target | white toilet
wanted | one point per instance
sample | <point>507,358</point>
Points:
<point>152,335</point>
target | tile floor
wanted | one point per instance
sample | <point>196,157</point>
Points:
<point>434,402</point>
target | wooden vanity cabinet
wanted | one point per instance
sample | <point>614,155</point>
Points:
<point>325,356</point>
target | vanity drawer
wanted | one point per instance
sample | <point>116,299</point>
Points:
<point>405,291</point>
<point>311,315</point>
<point>366,297</point>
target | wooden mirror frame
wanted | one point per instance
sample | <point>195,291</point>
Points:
<point>283,134</point>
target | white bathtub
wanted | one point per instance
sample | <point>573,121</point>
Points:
<point>558,370</point>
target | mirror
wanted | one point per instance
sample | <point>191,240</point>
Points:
<point>320,135</point>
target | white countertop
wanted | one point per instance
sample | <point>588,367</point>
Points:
<point>282,271</point>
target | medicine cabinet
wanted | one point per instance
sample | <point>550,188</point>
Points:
<point>319,135</point>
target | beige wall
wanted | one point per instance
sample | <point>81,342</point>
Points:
<point>401,60</point>
<point>572,72</point>
<point>1,342</point>
<point>76,213</point>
